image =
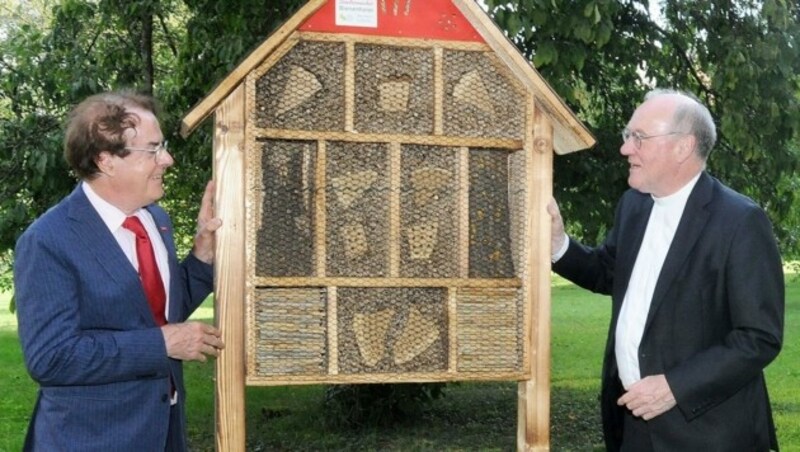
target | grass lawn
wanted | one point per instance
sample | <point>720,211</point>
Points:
<point>471,416</point>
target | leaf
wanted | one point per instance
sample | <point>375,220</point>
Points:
<point>545,54</point>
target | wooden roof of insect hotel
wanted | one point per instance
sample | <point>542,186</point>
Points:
<point>431,20</point>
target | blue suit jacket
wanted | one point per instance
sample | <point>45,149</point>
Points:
<point>715,320</point>
<point>89,338</point>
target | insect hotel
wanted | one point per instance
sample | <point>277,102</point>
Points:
<point>382,170</point>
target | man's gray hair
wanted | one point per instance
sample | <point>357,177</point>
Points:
<point>692,117</point>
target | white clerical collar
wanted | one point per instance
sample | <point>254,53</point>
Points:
<point>678,198</point>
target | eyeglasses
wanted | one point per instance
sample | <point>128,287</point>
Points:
<point>638,137</point>
<point>156,152</point>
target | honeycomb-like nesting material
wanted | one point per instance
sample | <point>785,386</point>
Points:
<point>394,90</point>
<point>290,332</point>
<point>386,209</point>
<point>489,236</point>
<point>518,199</point>
<point>490,330</point>
<point>357,195</point>
<point>429,212</point>
<point>479,101</point>
<point>284,244</point>
<point>393,330</point>
<point>304,90</point>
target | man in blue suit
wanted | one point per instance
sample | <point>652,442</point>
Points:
<point>697,293</point>
<point>108,365</point>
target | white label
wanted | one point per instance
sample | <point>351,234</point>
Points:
<point>357,13</point>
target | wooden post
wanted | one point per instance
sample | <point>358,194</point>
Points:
<point>533,427</point>
<point>229,268</point>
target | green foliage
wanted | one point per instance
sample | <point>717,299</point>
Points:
<point>739,57</point>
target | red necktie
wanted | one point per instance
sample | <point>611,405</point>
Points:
<point>148,270</point>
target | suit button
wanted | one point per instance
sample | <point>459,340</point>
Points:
<point>164,398</point>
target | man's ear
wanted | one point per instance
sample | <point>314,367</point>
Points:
<point>105,163</point>
<point>686,147</point>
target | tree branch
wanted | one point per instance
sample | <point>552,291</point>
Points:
<point>168,35</point>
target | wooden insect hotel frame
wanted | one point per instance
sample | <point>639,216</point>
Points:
<point>382,170</point>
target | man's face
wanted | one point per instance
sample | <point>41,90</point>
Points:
<point>653,160</point>
<point>139,175</point>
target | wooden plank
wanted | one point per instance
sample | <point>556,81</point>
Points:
<point>320,212</point>
<point>528,76</point>
<point>442,140</point>
<point>407,377</point>
<point>229,268</point>
<point>463,212</point>
<point>395,177</point>
<point>350,87</point>
<point>206,106</point>
<point>384,282</point>
<point>452,333</point>
<point>438,91</point>
<point>533,427</point>
<point>333,328</point>
<point>393,41</point>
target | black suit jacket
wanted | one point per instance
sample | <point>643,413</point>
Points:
<point>715,321</point>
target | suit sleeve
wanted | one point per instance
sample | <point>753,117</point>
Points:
<point>197,279</point>
<point>754,298</point>
<point>59,350</point>
<point>592,268</point>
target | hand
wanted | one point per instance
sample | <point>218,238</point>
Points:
<point>192,341</point>
<point>557,234</point>
<point>649,397</point>
<point>207,224</point>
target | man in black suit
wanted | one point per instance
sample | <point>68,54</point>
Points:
<point>697,291</point>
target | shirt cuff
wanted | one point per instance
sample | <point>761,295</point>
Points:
<point>558,254</point>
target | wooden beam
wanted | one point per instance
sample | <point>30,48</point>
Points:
<point>395,181</point>
<point>301,281</point>
<point>229,268</point>
<point>533,427</point>
<point>507,144</point>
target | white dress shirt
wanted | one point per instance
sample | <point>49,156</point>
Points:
<point>661,227</point>
<point>113,218</point>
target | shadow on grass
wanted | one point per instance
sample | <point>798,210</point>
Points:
<point>471,416</point>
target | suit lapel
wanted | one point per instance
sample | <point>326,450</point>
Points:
<point>694,218</point>
<point>633,232</point>
<point>95,237</point>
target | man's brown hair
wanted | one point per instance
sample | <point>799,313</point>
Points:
<point>99,123</point>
